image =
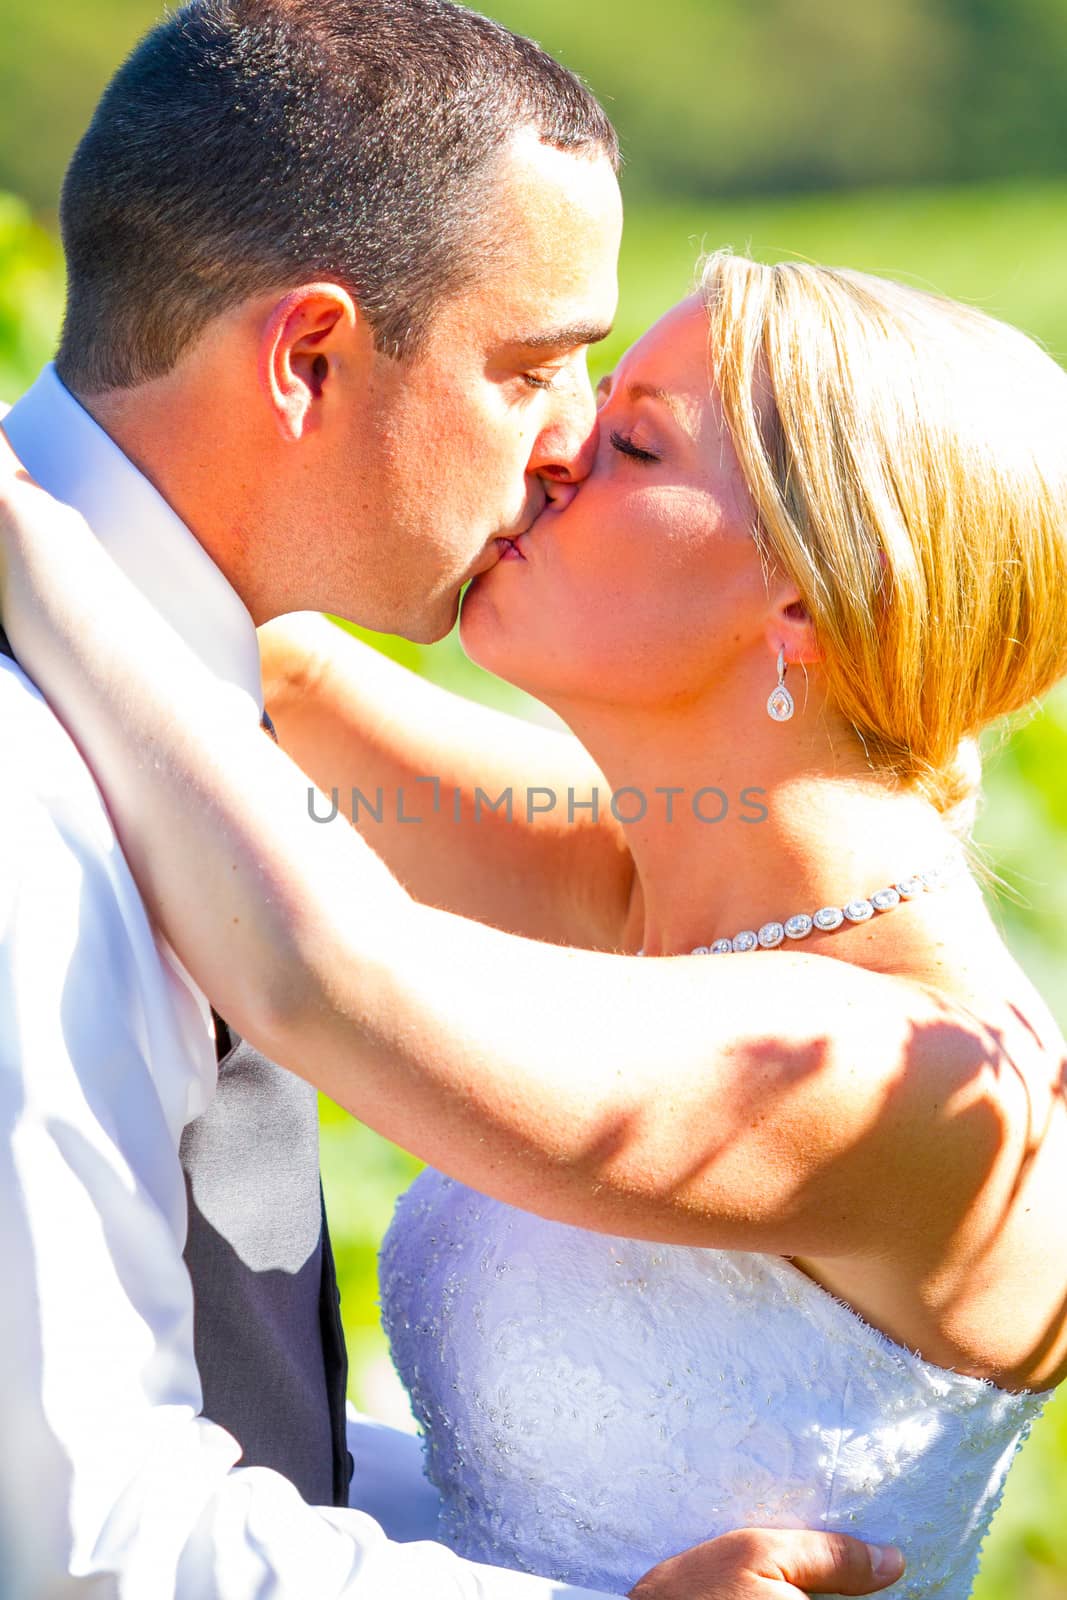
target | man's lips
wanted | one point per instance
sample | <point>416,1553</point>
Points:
<point>513,548</point>
<point>505,547</point>
<point>516,546</point>
<point>492,554</point>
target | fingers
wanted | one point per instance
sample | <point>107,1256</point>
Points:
<point>772,1564</point>
<point>826,1563</point>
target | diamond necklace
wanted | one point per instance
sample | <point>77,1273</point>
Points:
<point>828,918</point>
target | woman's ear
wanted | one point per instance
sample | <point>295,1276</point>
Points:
<point>790,628</point>
<point>302,340</point>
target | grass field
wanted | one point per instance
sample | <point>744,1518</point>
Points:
<point>1003,249</point>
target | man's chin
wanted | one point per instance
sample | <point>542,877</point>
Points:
<point>434,623</point>
<point>426,623</point>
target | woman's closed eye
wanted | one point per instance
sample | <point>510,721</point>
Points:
<point>626,447</point>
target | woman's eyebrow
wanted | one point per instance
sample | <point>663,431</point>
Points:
<point>650,391</point>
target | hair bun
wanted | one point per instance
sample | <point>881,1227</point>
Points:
<point>956,789</point>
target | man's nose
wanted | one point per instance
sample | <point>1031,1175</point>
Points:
<point>566,447</point>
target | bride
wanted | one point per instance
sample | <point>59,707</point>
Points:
<point>820,1124</point>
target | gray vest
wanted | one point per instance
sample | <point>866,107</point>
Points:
<point>269,1343</point>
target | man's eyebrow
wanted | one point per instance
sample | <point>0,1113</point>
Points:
<point>569,338</point>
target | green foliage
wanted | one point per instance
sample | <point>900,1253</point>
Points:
<point>31,295</point>
<point>1023,831</point>
<point>711,96</point>
<point>998,245</point>
<point>363,1176</point>
<point>55,59</point>
<point>1025,1557</point>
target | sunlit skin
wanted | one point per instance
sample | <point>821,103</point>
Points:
<point>915,1146</point>
<point>319,473</point>
<point>639,609</point>
<point>883,1105</point>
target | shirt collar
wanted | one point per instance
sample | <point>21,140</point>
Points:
<point>72,457</point>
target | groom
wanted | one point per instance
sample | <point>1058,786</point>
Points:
<point>333,269</point>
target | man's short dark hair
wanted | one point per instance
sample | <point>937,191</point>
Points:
<point>252,144</point>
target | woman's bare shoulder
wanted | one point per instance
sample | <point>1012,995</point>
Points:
<point>977,1278</point>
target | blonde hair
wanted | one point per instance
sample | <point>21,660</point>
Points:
<point>907,457</point>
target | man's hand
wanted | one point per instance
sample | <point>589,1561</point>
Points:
<point>772,1564</point>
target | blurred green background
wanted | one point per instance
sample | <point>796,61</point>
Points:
<point>925,139</point>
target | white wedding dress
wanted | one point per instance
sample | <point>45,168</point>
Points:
<point>591,1404</point>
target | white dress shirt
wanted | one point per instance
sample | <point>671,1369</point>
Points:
<point>108,1472</point>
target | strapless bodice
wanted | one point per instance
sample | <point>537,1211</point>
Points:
<point>592,1404</point>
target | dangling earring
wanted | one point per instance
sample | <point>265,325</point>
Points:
<point>780,706</point>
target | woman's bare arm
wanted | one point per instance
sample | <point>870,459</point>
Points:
<point>684,1100</point>
<point>474,811</point>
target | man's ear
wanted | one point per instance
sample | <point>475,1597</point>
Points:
<point>790,628</point>
<point>302,340</point>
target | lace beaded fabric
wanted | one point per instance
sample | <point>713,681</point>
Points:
<point>591,1405</point>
